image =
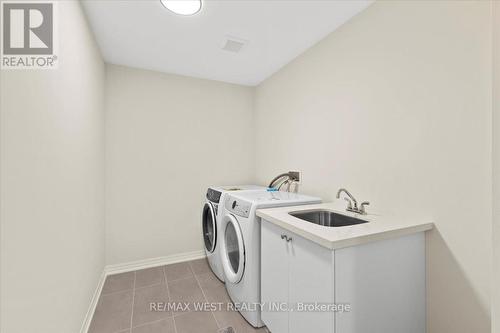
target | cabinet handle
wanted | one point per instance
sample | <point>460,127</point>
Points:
<point>285,237</point>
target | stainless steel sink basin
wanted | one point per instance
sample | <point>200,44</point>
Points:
<point>327,218</point>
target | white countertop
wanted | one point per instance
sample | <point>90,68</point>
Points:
<point>379,227</point>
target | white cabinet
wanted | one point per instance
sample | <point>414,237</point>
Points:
<point>294,272</point>
<point>274,285</point>
<point>310,281</point>
<point>383,282</point>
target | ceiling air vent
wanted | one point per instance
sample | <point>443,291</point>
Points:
<point>233,44</point>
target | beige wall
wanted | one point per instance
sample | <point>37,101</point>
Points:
<point>396,106</point>
<point>168,138</point>
<point>496,166</point>
<point>52,193</point>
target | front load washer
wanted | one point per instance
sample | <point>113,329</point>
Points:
<point>240,245</point>
<point>212,213</point>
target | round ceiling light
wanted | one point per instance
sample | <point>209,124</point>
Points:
<point>182,7</point>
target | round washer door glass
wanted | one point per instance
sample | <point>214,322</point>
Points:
<point>209,227</point>
<point>234,250</point>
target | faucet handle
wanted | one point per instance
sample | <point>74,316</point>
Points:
<point>362,207</point>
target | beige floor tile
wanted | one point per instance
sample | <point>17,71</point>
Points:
<point>118,282</point>
<point>178,271</point>
<point>143,313</point>
<point>209,280</point>
<point>162,326</point>
<point>113,313</point>
<point>228,318</point>
<point>200,266</point>
<point>196,322</point>
<point>247,328</point>
<point>185,291</point>
<point>149,277</point>
<point>217,294</point>
<point>236,321</point>
<point>120,302</point>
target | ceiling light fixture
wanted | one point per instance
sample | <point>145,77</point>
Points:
<point>182,7</point>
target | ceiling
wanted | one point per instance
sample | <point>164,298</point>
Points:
<point>143,34</point>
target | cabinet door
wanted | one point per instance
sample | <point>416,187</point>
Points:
<point>311,282</point>
<point>384,282</point>
<point>274,277</point>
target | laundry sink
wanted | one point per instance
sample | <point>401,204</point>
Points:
<point>327,218</point>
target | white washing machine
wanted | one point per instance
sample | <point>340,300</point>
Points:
<point>240,245</point>
<point>213,211</point>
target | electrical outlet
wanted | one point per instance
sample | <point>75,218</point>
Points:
<point>295,175</point>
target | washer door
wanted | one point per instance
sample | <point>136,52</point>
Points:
<point>209,223</point>
<point>233,249</point>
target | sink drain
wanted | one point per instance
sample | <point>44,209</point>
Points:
<point>226,330</point>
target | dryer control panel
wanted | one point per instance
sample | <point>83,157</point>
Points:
<point>213,195</point>
<point>238,207</point>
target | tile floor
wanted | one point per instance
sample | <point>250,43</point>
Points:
<point>124,305</point>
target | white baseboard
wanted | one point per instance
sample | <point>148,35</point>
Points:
<point>93,304</point>
<point>153,262</point>
<point>133,266</point>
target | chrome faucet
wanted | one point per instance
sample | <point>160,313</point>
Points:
<point>352,205</point>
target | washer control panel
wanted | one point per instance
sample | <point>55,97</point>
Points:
<point>238,207</point>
